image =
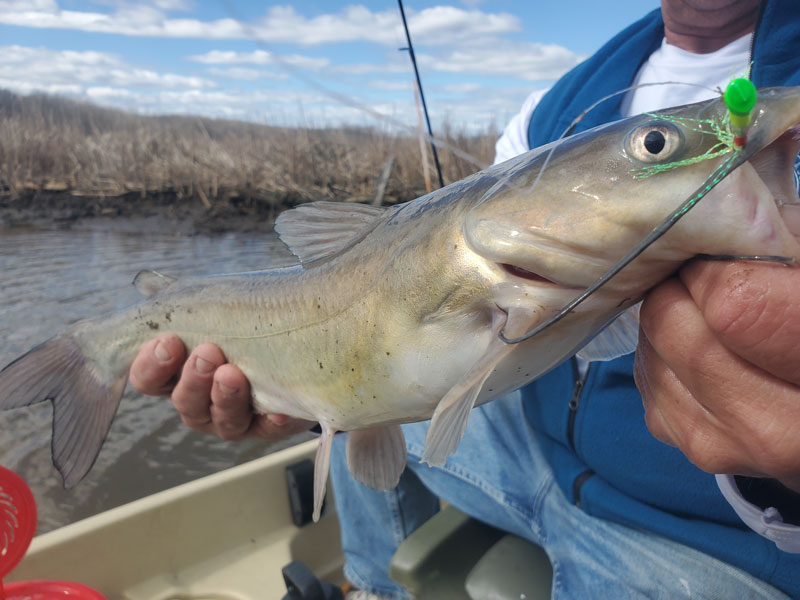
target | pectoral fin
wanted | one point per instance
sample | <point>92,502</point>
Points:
<point>322,463</point>
<point>376,457</point>
<point>452,413</point>
<point>449,421</point>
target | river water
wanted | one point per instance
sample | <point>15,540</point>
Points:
<point>52,278</point>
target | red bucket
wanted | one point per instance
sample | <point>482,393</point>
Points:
<point>17,526</point>
<point>50,590</point>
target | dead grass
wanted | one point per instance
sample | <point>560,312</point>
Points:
<point>58,145</point>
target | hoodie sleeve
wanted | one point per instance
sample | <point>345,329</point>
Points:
<point>514,140</point>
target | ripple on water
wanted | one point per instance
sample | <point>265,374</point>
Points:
<point>50,279</point>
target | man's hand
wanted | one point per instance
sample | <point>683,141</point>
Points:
<point>211,395</point>
<point>719,368</point>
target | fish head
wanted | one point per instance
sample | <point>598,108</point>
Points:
<point>567,212</point>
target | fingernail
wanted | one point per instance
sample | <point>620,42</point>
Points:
<point>225,389</point>
<point>201,365</point>
<point>279,420</point>
<point>161,352</point>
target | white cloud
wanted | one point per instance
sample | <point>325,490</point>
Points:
<point>392,86</point>
<point>460,39</point>
<point>461,88</point>
<point>27,87</point>
<point>106,93</point>
<point>368,68</point>
<point>245,73</point>
<point>26,69</point>
<point>439,25</point>
<point>260,57</point>
<point>527,61</point>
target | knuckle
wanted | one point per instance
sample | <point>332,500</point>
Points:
<point>708,453</point>
<point>230,402</point>
<point>209,353</point>
<point>189,403</point>
<point>655,425</point>
<point>737,305</point>
<point>230,431</point>
<point>195,423</point>
<point>230,436</point>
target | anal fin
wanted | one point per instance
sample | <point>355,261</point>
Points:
<point>322,464</point>
<point>376,457</point>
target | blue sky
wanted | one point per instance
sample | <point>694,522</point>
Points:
<point>317,62</point>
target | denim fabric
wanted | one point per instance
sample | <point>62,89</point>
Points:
<point>499,476</point>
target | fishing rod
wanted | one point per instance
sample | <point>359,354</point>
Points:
<point>656,233</point>
<point>413,56</point>
<point>317,84</point>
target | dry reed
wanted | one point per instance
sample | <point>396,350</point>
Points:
<point>51,144</point>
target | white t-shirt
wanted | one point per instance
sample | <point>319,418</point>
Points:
<point>713,71</point>
<point>667,64</point>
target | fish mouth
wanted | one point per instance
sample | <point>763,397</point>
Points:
<point>531,276</point>
<point>526,274</point>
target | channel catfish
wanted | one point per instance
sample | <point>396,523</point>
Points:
<point>399,314</point>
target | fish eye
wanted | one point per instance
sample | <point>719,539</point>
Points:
<point>653,142</point>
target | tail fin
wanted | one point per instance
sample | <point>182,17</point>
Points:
<point>84,400</point>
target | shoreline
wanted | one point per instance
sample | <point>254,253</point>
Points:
<point>133,212</point>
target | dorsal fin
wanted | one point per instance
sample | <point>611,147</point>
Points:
<point>319,229</point>
<point>150,282</point>
<point>618,339</point>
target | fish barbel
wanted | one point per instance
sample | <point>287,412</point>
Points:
<point>395,314</point>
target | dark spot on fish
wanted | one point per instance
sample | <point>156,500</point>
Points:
<point>388,354</point>
<point>320,366</point>
<point>373,397</point>
<point>168,316</point>
<point>152,325</point>
<point>353,370</point>
<point>318,306</point>
<point>189,310</point>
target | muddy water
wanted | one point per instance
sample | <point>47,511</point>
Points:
<point>52,278</point>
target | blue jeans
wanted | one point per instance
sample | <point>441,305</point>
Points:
<point>499,476</point>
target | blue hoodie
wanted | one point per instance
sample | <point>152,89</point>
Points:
<point>593,431</point>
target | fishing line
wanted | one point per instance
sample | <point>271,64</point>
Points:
<point>316,84</point>
<point>716,176</point>
<point>737,158</point>
<point>571,127</point>
<point>413,57</point>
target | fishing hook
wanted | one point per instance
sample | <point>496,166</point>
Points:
<point>738,157</point>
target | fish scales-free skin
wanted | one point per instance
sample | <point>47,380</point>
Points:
<point>395,314</point>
